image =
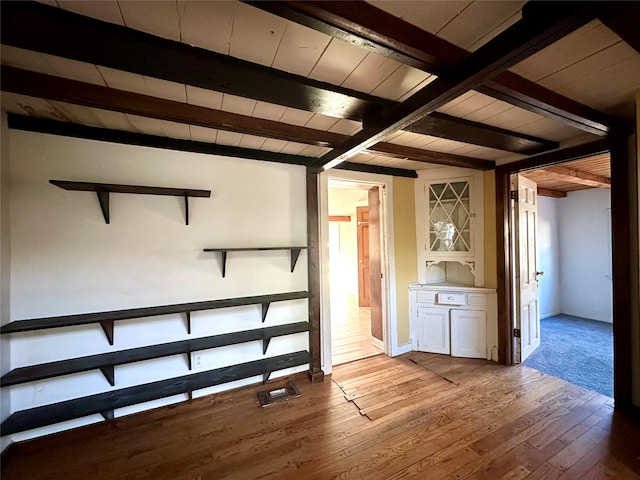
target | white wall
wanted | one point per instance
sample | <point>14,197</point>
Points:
<point>585,254</point>
<point>549,257</point>
<point>66,260</point>
<point>5,261</point>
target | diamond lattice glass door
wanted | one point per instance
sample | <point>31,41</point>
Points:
<point>449,217</point>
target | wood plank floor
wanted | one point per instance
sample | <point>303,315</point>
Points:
<point>351,332</point>
<point>419,416</point>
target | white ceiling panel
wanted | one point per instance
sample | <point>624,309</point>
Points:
<point>337,62</point>
<point>269,111</point>
<point>346,127</point>
<point>157,17</point>
<point>273,145</point>
<point>207,25</point>
<point>204,98</point>
<point>120,80</point>
<point>575,47</point>
<point>25,59</point>
<point>164,89</point>
<point>432,17</point>
<point>252,141</point>
<point>300,49</point>
<point>370,73</point>
<point>480,21</point>
<point>105,10</point>
<point>240,105</point>
<point>256,35</point>
<point>203,134</point>
<point>229,138</point>
<point>400,82</point>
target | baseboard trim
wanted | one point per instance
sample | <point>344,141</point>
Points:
<point>401,349</point>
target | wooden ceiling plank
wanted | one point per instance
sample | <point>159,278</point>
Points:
<point>441,125</point>
<point>547,192</point>
<point>54,88</point>
<point>57,32</point>
<point>546,159</point>
<point>617,19</point>
<point>581,177</point>
<point>54,127</point>
<point>374,29</point>
<point>538,28</point>
<point>232,76</point>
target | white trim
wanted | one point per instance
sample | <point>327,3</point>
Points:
<point>389,317</point>
<point>377,343</point>
<point>552,314</point>
<point>400,349</point>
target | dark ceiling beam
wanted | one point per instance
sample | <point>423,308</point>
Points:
<point>444,126</point>
<point>548,192</point>
<point>55,31</point>
<point>539,27</point>
<point>67,129</point>
<point>40,85</point>
<point>46,29</point>
<point>558,156</point>
<point>430,156</point>
<point>618,17</point>
<point>366,26</point>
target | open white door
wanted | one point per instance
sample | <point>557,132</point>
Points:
<point>527,313</point>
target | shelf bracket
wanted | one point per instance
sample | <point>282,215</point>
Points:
<point>265,309</point>
<point>265,377</point>
<point>186,208</point>
<point>265,345</point>
<point>109,373</point>
<point>189,362</point>
<point>223,256</point>
<point>188,322</point>
<point>107,327</point>
<point>103,199</point>
<point>107,415</point>
<point>295,253</point>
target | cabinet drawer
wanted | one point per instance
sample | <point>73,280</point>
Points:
<point>476,300</point>
<point>445,298</point>
<point>426,297</point>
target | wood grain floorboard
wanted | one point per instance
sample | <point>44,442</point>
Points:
<point>493,422</point>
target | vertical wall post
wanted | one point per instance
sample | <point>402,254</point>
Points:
<point>313,241</point>
<point>621,240</point>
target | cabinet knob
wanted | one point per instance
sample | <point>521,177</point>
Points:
<point>539,273</point>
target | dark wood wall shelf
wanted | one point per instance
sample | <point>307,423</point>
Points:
<point>294,251</point>
<point>106,319</point>
<point>102,190</point>
<point>105,362</point>
<point>106,403</point>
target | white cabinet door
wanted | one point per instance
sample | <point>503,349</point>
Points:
<point>468,333</point>
<point>432,330</point>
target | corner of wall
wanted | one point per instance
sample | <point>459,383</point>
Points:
<point>5,257</point>
<point>404,228</point>
<point>490,241</point>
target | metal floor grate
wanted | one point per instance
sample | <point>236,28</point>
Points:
<point>271,397</point>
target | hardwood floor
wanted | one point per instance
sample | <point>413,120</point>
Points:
<point>351,331</point>
<point>419,416</point>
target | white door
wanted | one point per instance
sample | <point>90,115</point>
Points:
<point>469,333</point>
<point>432,330</point>
<point>527,314</point>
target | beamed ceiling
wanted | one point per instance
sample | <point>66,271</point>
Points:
<point>382,86</point>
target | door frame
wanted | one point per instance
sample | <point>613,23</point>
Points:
<point>389,317</point>
<point>624,220</point>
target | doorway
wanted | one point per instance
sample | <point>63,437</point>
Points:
<point>571,238</point>
<point>355,299</point>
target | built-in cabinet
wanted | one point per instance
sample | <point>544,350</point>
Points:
<point>453,320</point>
<point>451,312</point>
<point>449,226</point>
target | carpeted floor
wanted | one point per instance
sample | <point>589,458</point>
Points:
<point>577,350</point>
